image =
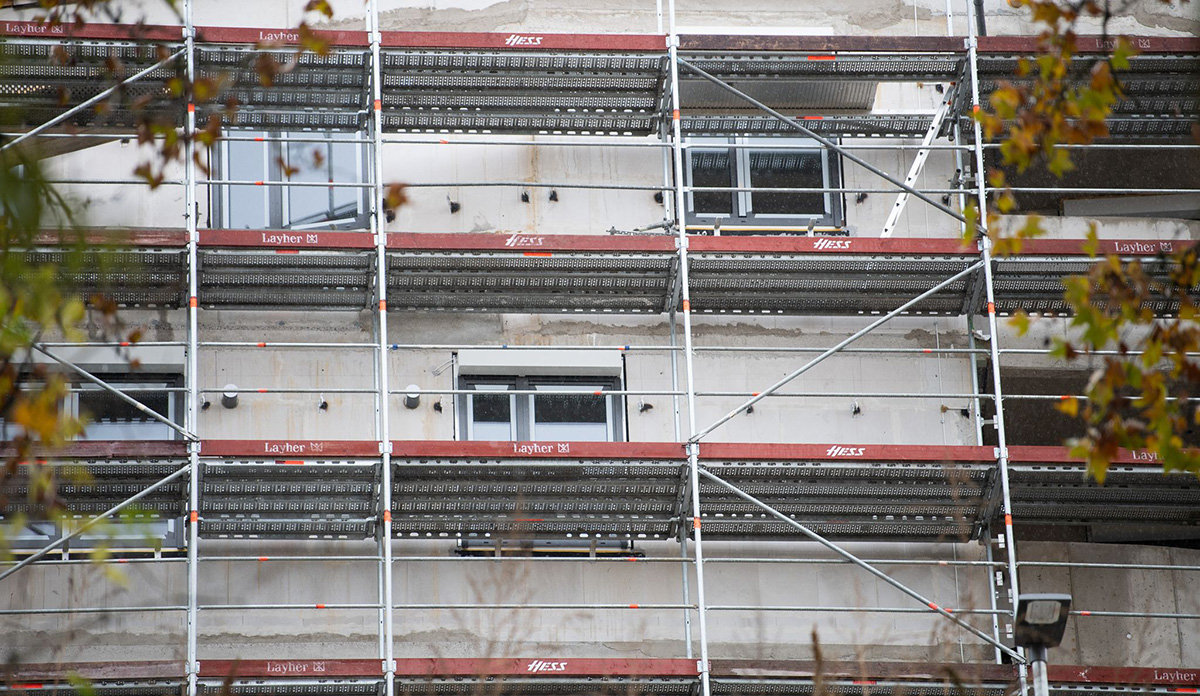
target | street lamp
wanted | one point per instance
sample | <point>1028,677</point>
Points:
<point>1041,622</point>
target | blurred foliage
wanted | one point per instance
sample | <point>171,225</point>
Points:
<point>1139,397</point>
<point>37,297</point>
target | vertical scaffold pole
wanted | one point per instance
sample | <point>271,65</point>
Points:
<point>385,443</point>
<point>693,449</point>
<point>985,245</point>
<point>193,363</point>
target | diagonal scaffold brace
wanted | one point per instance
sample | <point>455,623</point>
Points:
<point>95,521</point>
<point>119,394</point>
<point>91,101</point>
<point>862,564</point>
<point>837,348</point>
<point>826,142</point>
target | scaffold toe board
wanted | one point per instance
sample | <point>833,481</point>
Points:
<point>1051,488</point>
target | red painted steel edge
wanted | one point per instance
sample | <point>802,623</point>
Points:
<point>289,448</point>
<point>283,36</point>
<point>291,668</point>
<point>110,449</point>
<point>831,245</point>
<point>99,671</point>
<point>548,243</point>
<point>285,239</point>
<point>1124,675</point>
<point>924,671</point>
<point>520,242</point>
<point>1121,247</point>
<point>1029,454</point>
<point>1093,44</point>
<point>537,450</point>
<point>885,44</point>
<point>920,44</point>
<point>93,30</point>
<point>551,667</point>
<point>544,667</point>
<point>140,238</point>
<point>532,41</point>
<point>871,453</point>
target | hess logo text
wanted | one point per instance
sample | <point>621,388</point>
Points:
<point>837,451</point>
<point>832,244</point>
<point>543,666</point>
<point>519,40</point>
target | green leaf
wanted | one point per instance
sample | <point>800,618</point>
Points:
<point>1020,321</point>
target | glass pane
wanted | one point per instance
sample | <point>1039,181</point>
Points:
<point>712,168</point>
<point>247,205</point>
<point>491,417</point>
<point>114,419</point>
<point>106,406</point>
<point>787,169</point>
<point>323,162</point>
<point>570,417</point>
<point>343,164</point>
<point>311,164</point>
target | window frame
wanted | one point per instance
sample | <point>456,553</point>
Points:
<point>742,217</point>
<point>73,406</point>
<point>276,200</point>
<point>523,407</point>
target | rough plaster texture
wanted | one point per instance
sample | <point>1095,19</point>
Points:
<point>330,633</point>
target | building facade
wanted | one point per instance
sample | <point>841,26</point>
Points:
<point>670,373</point>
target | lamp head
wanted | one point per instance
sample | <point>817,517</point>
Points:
<point>1041,620</point>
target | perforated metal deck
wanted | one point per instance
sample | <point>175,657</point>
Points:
<point>297,499</point>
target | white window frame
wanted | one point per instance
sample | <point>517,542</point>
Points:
<point>742,214</point>
<point>276,200</point>
<point>143,429</point>
<point>523,407</point>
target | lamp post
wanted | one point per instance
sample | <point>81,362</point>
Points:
<point>1041,622</point>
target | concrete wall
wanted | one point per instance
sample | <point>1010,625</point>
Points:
<point>333,633</point>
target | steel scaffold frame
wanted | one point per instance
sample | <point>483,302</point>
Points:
<point>383,391</point>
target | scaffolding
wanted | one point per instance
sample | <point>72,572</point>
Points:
<point>579,91</point>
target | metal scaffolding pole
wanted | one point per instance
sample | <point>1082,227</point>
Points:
<point>688,354</point>
<point>860,563</point>
<point>191,215</point>
<point>94,521</point>
<point>384,530</point>
<point>985,244</point>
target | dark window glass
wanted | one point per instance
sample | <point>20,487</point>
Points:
<point>103,406</point>
<point>712,168</point>
<point>492,408</point>
<point>781,169</point>
<point>570,408</point>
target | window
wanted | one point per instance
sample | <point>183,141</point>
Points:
<point>564,397</point>
<point>111,418</point>
<point>549,414</point>
<point>753,162</point>
<point>248,206</point>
